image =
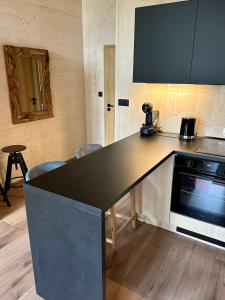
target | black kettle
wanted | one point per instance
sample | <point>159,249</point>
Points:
<point>187,129</point>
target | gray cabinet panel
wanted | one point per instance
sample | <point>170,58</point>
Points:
<point>208,65</point>
<point>164,36</point>
<point>67,246</point>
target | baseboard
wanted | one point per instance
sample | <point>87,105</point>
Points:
<point>155,222</point>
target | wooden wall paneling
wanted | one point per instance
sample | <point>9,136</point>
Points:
<point>57,27</point>
<point>99,29</point>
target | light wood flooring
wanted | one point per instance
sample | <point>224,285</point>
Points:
<point>151,263</point>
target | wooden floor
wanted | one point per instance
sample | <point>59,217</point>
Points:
<point>151,263</point>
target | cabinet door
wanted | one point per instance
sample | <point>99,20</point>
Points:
<point>208,65</point>
<point>155,199</point>
<point>164,36</point>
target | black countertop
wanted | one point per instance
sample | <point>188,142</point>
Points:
<point>96,182</point>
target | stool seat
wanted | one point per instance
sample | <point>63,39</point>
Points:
<point>14,148</point>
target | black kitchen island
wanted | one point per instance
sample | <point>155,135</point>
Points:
<point>66,212</point>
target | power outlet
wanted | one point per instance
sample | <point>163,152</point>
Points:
<point>224,132</point>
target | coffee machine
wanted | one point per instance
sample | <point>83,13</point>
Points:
<point>148,128</point>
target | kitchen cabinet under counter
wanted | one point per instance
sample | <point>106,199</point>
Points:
<point>155,196</point>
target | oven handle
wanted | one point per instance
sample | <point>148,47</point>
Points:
<point>215,179</point>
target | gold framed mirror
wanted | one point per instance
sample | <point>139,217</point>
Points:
<point>29,83</point>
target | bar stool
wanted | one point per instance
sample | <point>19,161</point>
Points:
<point>15,158</point>
<point>112,213</point>
<point>43,168</point>
<point>5,198</point>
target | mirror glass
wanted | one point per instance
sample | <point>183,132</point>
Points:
<point>31,89</point>
<point>29,83</point>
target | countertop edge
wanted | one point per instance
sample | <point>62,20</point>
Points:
<point>74,203</point>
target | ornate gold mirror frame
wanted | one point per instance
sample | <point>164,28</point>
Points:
<point>29,83</point>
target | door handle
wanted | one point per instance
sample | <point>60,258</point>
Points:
<point>110,105</point>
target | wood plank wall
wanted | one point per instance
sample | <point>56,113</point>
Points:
<point>57,26</point>
<point>99,29</point>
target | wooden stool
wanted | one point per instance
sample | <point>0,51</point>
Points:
<point>5,198</point>
<point>15,158</point>
<point>115,230</point>
<point>85,150</point>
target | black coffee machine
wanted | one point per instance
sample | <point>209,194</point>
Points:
<point>148,128</point>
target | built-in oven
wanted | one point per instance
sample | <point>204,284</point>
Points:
<point>198,189</point>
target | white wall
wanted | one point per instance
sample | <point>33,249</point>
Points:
<point>57,26</point>
<point>99,26</point>
<point>207,103</point>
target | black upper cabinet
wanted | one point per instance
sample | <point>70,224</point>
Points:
<point>164,36</point>
<point>208,66</point>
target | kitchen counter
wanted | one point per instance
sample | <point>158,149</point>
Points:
<point>66,212</point>
<point>100,179</point>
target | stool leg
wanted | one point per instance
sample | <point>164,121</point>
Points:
<point>132,208</point>
<point>5,198</point>
<point>23,165</point>
<point>8,173</point>
<point>113,228</point>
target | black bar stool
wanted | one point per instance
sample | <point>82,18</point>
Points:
<point>15,158</point>
<point>5,198</point>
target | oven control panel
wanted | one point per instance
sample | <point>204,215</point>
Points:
<point>201,165</point>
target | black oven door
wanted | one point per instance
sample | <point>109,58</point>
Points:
<point>198,196</point>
